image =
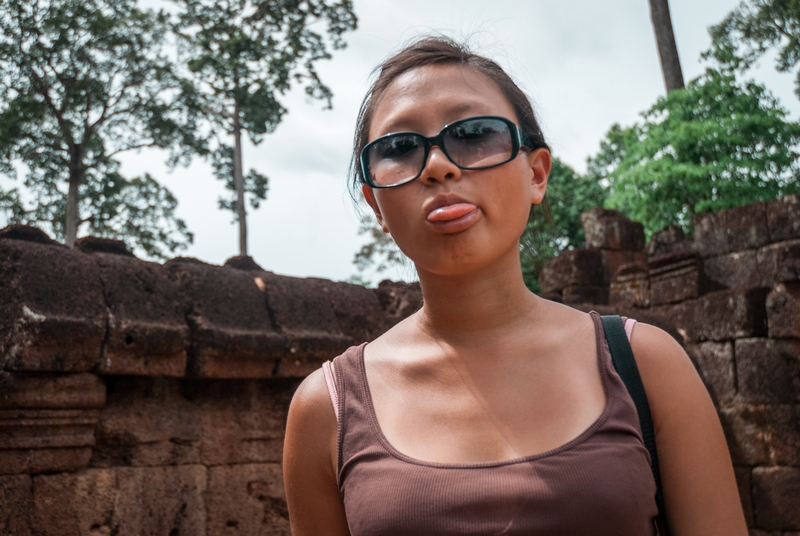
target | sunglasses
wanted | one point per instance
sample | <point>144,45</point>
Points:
<point>473,143</point>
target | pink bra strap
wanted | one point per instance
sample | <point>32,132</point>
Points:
<point>629,323</point>
<point>326,370</point>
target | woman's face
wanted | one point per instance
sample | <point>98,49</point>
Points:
<point>452,221</point>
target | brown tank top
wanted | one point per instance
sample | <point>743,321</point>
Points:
<point>599,483</point>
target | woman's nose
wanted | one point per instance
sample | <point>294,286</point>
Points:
<point>439,168</point>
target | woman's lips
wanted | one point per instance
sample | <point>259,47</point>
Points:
<point>451,212</point>
<point>453,218</point>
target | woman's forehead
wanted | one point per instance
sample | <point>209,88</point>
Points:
<point>434,95</point>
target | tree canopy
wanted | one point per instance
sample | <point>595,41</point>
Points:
<point>755,27</point>
<point>243,54</point>
<point>82,81</point>
<point>717,144</point>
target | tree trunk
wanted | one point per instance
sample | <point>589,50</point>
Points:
<point>665,40</point>
<point>238,179</point>
<point>73,218</point>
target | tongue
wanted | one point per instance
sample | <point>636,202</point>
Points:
<point>451,212</point>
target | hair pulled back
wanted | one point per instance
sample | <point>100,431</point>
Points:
<point>438,50</point>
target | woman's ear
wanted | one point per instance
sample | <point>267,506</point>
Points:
<point>370,198</point>
<point>541,164</point>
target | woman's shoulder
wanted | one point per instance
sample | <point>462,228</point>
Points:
<point>673,386</point>
<point>311,402</point>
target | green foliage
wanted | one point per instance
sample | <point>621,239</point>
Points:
<point>716,144</point>
<point>243,54</point>
<point>82,81</point>
<point>755,27</point>
<point>556,226</point>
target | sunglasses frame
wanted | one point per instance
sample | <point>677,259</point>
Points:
<point>518,141</point>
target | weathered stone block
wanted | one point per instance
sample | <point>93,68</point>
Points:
<point>16,502</point>
<point>674,278</point>
<point>147,422</point>
<point>743,482</point>
<point>52,315</point>
<point>147,330</point>
<point>80,503</point>
<point>231,332</point>
<point>573,268</point>
<point>594,294</point>
<point>729,314</point>
<point>747,431</point>
<point>747,227</point>
<point>165,501</point>
<point>125,501</point>
<point>679,316</point>
<point>731,270</point>
<point>610,229</point>
<point>768,370</point>
<point>711,234</point>
<point>715,364</point>
<point>47,422</point>
<point>668,240</point>
<point>357,310</point>
<point>247,499</point>
<point>319,319</point>
<point>99,244</point>
<point>243,421</point>
<point>775,493</point>
<point>784,426</point>
<point>398,300</point>
<point>614,259</point>
<point>783,310</point>
<point>631,287</point>
<point>783,218</point>
<point>779,262</point>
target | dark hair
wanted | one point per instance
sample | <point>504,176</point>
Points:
<point>438,50</point>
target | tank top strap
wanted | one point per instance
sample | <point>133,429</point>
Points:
<point>354,427</point>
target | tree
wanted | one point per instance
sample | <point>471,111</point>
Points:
<point>82,81</point>
<point>242,54</point>
<point>715,145</point>
<point>665,41</point>
<point>253,183</point>
<point>754,28</point>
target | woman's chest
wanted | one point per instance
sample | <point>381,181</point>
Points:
<point>488,419</point>
<point>590,488</point>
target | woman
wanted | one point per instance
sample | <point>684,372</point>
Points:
<point>490,410</point>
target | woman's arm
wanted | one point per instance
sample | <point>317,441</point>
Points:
<point>309,461</point>
<point>696,472</point>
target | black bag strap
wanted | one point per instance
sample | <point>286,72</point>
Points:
<point>625,364</point>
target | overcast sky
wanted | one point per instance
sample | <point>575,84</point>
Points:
<point>586,64</point>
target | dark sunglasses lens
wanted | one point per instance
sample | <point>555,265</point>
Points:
<point>396,158</point>
<point>479,143</point>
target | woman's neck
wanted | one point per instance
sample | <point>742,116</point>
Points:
<point>474,304</point>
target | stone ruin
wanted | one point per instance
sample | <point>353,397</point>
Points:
<point>139,398</point>
<point>731,296</point>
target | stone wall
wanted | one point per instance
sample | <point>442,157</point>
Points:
<point>146,399</point>
<point>140,398</point>
<point>731,294</point>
